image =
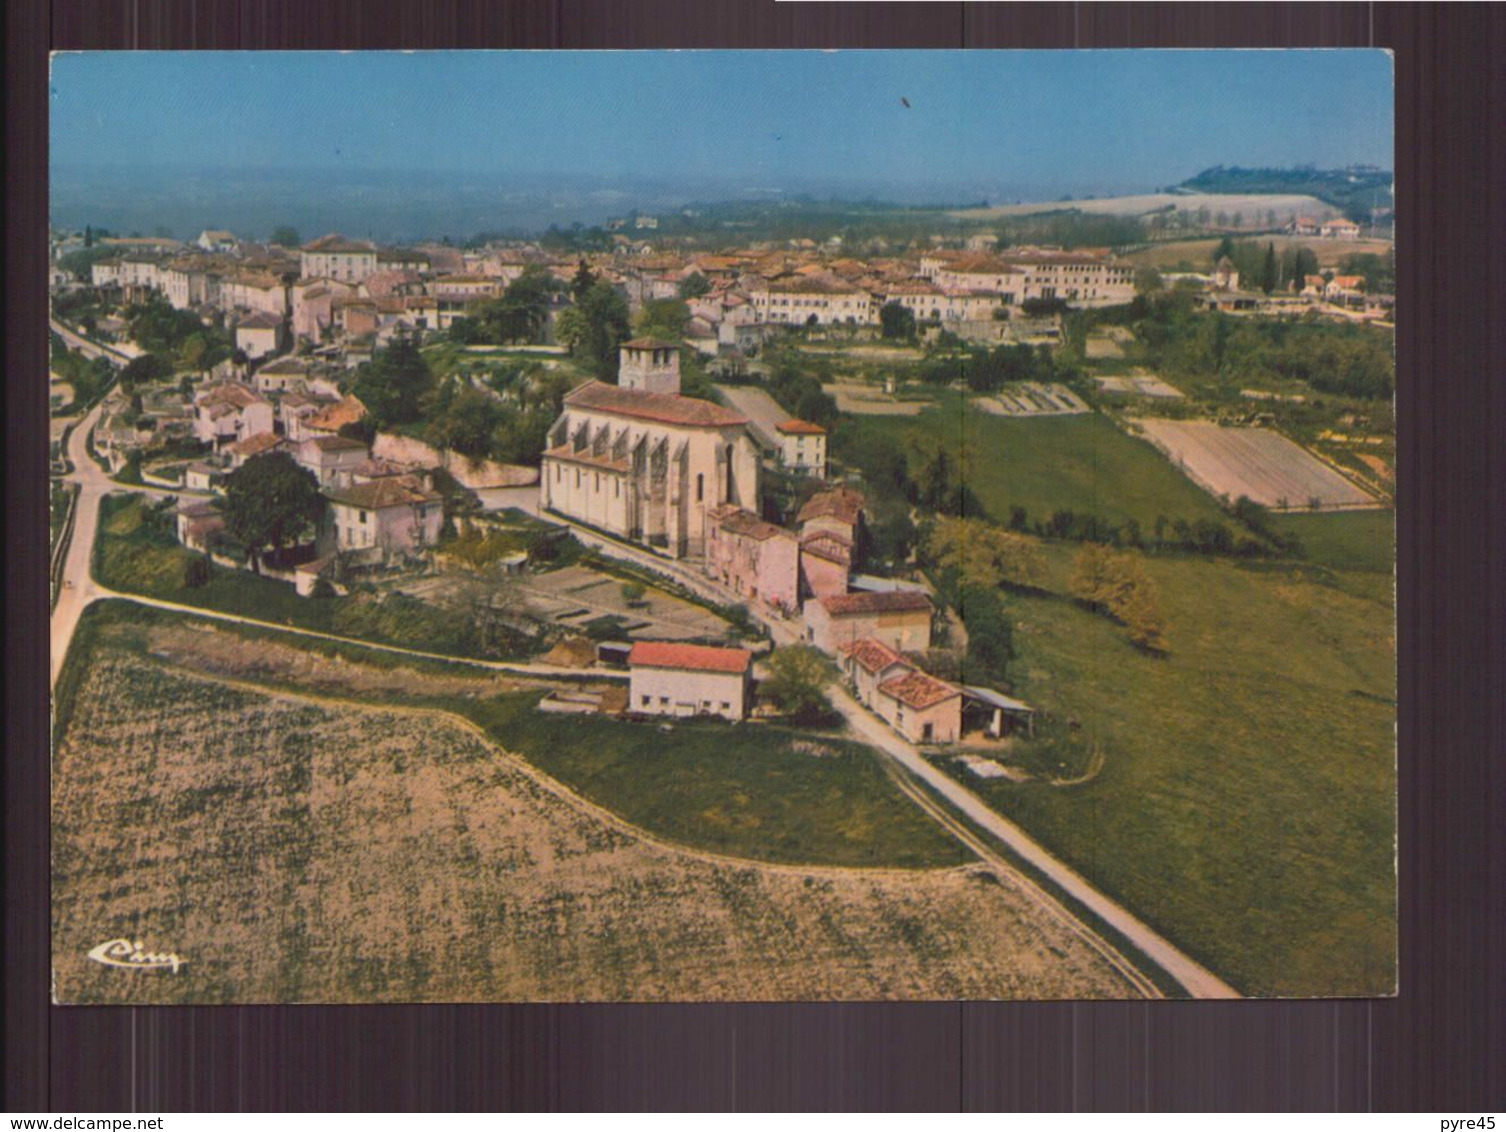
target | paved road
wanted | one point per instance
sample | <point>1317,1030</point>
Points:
<point>118,354</point>
<point>78,588</point>
<point>1197,980</point>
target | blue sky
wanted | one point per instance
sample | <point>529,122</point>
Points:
<point>1068,121</point>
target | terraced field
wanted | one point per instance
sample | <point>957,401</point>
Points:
<point>287,849</point>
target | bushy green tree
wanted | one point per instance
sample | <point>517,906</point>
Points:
<point>796,683</point>
<point>394,384</point>
<point>897,321</point>
<point>270,502</point>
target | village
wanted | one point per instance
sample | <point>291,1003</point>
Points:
<point>762,499</point>
<point>673,484</point>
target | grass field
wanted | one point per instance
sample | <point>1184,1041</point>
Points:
<point>131,557</point>
<point>1080,463</point>
<point>752,791</point>
<point>1357,540</point>
<point>1246,803</point>
<point>298,850</point>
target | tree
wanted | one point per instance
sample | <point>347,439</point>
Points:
<point>897,321</point>
<point>633,593</point>
<point>663,318</point>
<point>990,636</point>
<point>584,280</point>
<point>270,502</point>
<point>984,555</point>
<point>465,421</point>
<point>393,384</point>
<point>1148,281</point>
<point>144,370</point>
<point>694,285</point>
<point>1116,583</point>
<point>1268,278</point>
<point>88,236</point>
<point>285,236</point>
<point>600,326</point>
<point>197,572</point>
<point>797,680</point>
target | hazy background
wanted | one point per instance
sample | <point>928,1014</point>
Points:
<point>397,145</point>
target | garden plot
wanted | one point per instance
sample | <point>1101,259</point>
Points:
<point>577,596</point>
<point>1102,346</point>
<point>1032,399</point>
<point>1260,464</point>
<point>870,400</point>
<point>1138,384</point>
<point>284,849</point>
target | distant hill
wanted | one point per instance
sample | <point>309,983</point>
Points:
<point>1355,191</point>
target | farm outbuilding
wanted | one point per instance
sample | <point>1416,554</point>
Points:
<point>994,713</point>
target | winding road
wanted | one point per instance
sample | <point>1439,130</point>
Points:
<point>79,590</point>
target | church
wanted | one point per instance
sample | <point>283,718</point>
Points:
<point>640,461</point>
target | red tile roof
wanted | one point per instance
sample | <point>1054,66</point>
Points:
<point>698,658</point>
<point>917,690</point>
<point>255,444</point>
<point>346,411</point>
<point>394,491</point>
<point>800,428</point>
<point>874,656</point>
<point>335,242</point>
<point>666,408</point>
<point>839,503</point>
<point>650,344</point>
<point>898,601</point>
<point>738,521</point>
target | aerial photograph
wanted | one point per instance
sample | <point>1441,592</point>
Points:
<point>722,526</point>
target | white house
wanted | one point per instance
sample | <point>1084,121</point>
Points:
<point>335,257</point>
<point>669,678</point>
<point>802,447</point>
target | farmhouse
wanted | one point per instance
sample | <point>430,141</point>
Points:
<point>667,678</point>
<point>920,707</point>
<point>643,463</point>
<point>868,663</point>
<point>900,619</point>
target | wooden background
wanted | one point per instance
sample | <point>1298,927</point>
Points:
<point>1438,1046</point>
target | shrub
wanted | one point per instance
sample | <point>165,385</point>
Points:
<point>198,571</point>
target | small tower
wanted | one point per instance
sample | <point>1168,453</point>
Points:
<point>649,364</point>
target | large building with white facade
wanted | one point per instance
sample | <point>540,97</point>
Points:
<point>648,465</point>
<point>335,257</point>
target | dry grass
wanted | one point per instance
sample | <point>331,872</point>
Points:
<point>298,850</point>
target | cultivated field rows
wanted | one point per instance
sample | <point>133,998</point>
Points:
<point>291,849</point>
<point>1261,465</point>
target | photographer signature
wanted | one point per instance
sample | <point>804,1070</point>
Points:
<point>125,953</point>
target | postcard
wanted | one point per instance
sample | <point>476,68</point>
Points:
<point>722,526</point>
